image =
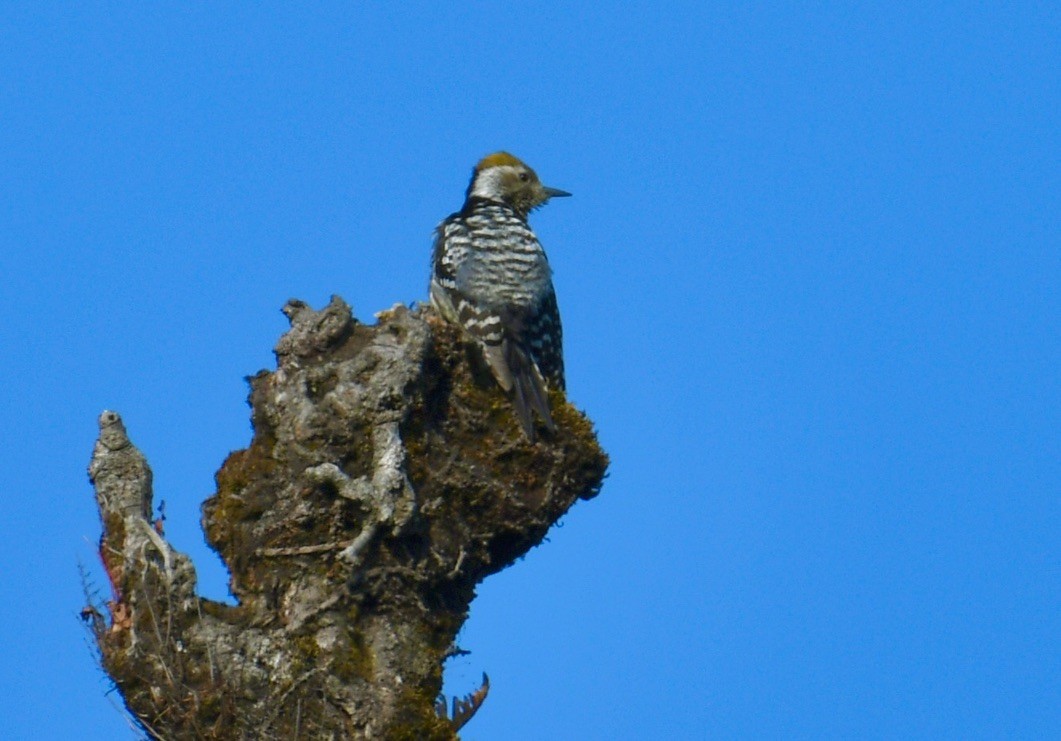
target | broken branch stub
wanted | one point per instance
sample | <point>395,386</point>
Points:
<point>386,478</point>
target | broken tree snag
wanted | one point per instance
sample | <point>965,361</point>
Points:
<point>385,479</point>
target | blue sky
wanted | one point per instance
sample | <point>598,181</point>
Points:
<point>809,282</point>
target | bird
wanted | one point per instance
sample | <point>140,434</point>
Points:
<point>490,277</point>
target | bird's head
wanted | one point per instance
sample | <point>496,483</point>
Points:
<point>504,178</point>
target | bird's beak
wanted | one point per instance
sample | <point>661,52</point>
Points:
<point>554,192</point>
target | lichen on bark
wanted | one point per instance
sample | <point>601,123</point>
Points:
<point>387,476</point>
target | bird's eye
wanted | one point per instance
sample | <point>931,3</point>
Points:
<point>524,176</point>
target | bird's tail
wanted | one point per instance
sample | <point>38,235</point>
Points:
<point>518,374</point>
<point>529,394</point>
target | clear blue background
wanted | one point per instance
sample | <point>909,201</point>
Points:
<point>809,281</point>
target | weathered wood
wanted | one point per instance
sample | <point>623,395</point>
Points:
<point>386,477</point>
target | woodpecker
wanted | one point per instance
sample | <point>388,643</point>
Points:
<point>490,276</point>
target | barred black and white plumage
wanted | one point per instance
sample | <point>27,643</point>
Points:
<point>490,276</point>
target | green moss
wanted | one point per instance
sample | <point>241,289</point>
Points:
<point>112,549</point>
<point>308,650</point>
<point>418,720</point>
<point>211,707</point>
<point>357,663</point>
<point>243,467</point>
<point>349,662</point>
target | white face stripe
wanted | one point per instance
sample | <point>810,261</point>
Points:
<point>489,182</point>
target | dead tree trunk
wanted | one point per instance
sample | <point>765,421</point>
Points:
<point>387,476</point>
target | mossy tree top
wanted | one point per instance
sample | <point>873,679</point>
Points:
<point>386,478</point>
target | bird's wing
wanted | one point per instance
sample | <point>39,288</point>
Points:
<point>544,335</point>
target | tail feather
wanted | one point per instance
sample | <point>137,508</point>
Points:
<point>499,365</point>
<point>529,394</point>
<point>516,372</point>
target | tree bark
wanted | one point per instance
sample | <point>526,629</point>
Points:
<point>386,478</point>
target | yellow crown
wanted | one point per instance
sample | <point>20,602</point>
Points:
<point>498,159</point>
